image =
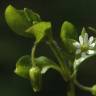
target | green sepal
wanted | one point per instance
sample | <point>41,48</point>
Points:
<point>18,20</point>
<point>68,36</point>
<point>22,66</point>
<point>83,32</point>
<point>40,30</point>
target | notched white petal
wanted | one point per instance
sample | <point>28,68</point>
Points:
<point>81,40</point>
<point>91,52</point>
<point>76,44</point>
<point>91,39</point>
<point>92,45</point>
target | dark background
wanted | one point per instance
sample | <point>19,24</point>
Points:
<point>79,12</point>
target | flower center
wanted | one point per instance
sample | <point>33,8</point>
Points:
<point>84,47</point>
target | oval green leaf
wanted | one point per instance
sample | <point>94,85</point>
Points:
<point>23,65</point>
<point>68,36</point>
<point>68,31</point>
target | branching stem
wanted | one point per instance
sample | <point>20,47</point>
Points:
<point>58,54</point>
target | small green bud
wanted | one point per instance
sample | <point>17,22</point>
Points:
<point>93,90</point>
<point>35,76</point>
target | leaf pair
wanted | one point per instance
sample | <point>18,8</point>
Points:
<point>26,23</point>
<point>25,69</point>
<point>18,21</point>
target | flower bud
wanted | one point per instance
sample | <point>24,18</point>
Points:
<point>35,76</point>
<point>93,90</point>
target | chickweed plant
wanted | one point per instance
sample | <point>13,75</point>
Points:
<point>76,48</point>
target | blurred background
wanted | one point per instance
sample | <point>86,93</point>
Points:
<point>12,47</point>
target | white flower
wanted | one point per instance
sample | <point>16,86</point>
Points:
<point>85,45</point>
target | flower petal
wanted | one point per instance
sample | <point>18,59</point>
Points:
<point>92,45</point>
<point>91,39</point>
<point>76,44</point>
<point>81,40</point>
<point>90,51</point>
<point>85,38</point>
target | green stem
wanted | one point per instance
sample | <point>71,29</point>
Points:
<point>71,89</point>
<point>74,77</point>
<point>57,52</point>
<point>33,54</point>
<point>82,86</point>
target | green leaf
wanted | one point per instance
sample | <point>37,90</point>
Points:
<point>68,44</point>
<point>36,78</point>
<point>68,31</point>
<point>68,36</point>
<point>45,64</point>
<point>22,66</point>
<point>18,20</point>
<point>39,30</point>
